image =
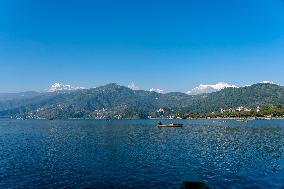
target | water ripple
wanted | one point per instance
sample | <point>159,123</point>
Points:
<point>136,154</point>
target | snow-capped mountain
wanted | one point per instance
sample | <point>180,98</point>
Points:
<point>133,86</point>
<point>270,82</point>
<point>206,88</point>
<point>61,87</point>
<point>267,82</point>
<point>156,90</point>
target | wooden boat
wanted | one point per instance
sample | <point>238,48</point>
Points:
<point>241,120</point>
<point>171,125</point>
<point>267,118</point>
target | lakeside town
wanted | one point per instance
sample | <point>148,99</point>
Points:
<point>266,112</point>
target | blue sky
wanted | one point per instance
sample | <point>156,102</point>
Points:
<point>172,45</point>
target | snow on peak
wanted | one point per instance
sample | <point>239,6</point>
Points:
<point>133,86</point>
<point>205,88</point>
<point>156,90</point>
<point>268,82</point>
<point>61,87</point>
<point>271,82</point>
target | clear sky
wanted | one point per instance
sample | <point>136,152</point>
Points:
<point>172,45</point>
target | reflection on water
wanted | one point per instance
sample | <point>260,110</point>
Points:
<point>136,154</point>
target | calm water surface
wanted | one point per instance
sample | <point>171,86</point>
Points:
<point>136,154</point>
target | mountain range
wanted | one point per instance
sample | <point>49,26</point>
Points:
<point>61,87</point>
<point>207,88</point>
<point>115,101</point>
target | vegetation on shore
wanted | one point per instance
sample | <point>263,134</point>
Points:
<point>265,112</point>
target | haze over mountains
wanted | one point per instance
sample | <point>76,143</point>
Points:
<point>115,101</point>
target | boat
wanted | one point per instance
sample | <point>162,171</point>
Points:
<point>241,120</point>
<point>170,125</point>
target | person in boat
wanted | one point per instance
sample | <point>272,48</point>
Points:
<point>160,123</point>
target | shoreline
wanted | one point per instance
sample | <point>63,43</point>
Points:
<point>219,118</point>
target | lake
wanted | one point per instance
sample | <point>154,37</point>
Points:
<point>137,154</point>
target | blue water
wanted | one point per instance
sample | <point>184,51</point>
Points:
<point>137,154</point>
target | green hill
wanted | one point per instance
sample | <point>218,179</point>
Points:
<point>114,101</point>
